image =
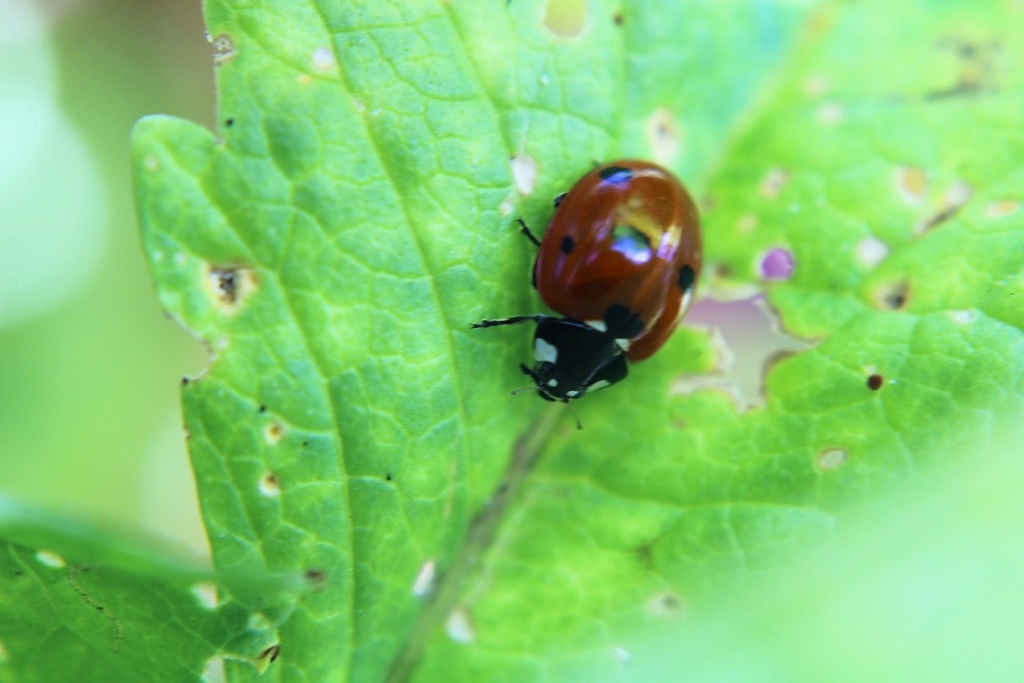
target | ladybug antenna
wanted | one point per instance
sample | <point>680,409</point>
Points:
<point>522,389</point>
<point>575,416</point>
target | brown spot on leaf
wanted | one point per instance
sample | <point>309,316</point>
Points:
<point>893,296</point>
<point>664,136</point>
<point>229,285</point>
<point>223,49</point>
<point>831,458</point>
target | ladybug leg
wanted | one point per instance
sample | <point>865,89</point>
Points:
<point>515,320</point>
<point>525,229</point>
<point>528,372</point>
<point>557,202</point>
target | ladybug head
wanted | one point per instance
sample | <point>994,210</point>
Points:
<point>573,358</point>
<point>549,387</point>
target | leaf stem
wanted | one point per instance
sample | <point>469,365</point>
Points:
<point>479,538</point>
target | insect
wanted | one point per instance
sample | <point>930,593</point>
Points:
<point>619,262</point>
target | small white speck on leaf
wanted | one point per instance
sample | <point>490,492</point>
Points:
<point>50,559</point>
<point>831,113</point>
<point>323,59</point>
<point>524,174</point>
<point>831,458</point>
<point>871,251</point>
<point>459,627</point>
<point>424,582</point>
<point>964,317</point>
<point>206,594</point>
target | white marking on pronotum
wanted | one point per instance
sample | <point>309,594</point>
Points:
<point>572,393</point>
<point>424,582</point>
<point>552,382</point>
<point>599,384</point>
<point>623,344</point>
<point>544,351</point>
<point>598,325</point>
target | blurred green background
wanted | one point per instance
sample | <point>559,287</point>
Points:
<point>89,364</point>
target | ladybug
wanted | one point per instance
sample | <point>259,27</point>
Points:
<point>619,262</point>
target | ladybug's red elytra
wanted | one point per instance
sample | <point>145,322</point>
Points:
<point>619,262</point>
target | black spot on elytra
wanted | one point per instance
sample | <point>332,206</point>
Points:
<point>687,276</point>
<point>622,323</point>
<point>568,244</point>
<point>616,174</point>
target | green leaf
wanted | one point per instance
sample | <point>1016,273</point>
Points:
<point>353,214</point>
<point>80,603</point>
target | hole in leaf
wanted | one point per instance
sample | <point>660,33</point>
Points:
<point>893,296</point>
<point>223,49</point>
<point>748,339</point>
<point>228,286</point>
